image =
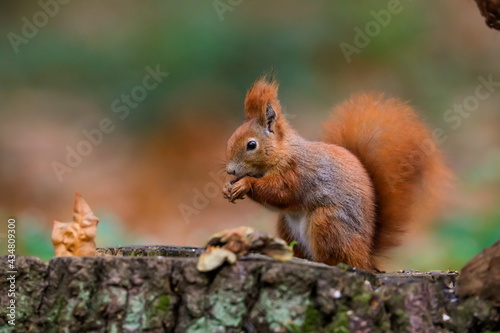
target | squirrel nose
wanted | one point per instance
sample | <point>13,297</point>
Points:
<point>230,169</point>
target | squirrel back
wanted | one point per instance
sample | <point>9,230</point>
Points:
<point>400,155</point>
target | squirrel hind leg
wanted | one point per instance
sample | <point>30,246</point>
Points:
<point>334,241</point>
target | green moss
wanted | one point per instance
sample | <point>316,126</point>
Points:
<point>340,323</point>
<point>472,310</point>
<point>363,299</point>
<point>381,321</point>
<point>312,320</point>
<point>399,318</point>
<point>154,254</point>
<point>60,304</point>
<point>162,304</point>
<point>291,328</point>
<point>343,267</point>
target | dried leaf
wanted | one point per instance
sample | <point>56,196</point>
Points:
<point>76,238</point>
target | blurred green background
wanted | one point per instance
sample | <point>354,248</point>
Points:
<point>84,55</point>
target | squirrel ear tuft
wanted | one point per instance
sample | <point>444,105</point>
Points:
<point>270,76</point>
<point>264,92</point>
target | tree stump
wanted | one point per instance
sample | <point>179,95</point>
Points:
<point>481,276</point>
<point>111,293</point>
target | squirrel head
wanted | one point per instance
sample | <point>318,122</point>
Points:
<point>253,149</point>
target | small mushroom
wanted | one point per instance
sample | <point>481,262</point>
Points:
<point>228,245</point>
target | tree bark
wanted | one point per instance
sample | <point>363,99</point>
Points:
<point>168,294</point>
<point>481,276</point>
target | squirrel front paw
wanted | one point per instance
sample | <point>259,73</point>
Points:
<point>237,190</point>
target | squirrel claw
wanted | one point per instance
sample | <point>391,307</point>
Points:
<point>236,198</point>
<point>236,191</point>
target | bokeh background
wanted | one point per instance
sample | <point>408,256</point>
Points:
<point>152,166</point>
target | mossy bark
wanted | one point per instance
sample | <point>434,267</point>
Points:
<point>168,294</point>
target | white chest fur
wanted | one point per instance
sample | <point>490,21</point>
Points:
<point>297,223</point>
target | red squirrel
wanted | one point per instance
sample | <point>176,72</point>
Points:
<point>348,198</point>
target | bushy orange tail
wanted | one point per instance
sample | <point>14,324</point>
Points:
<point>400,155</point>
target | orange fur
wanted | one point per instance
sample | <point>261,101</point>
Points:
<point>333,243</point>
<point>262,92</point>
<point>345,200</point>
<point>400,155</point>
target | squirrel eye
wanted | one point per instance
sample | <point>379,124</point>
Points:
<point>251,145</point>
